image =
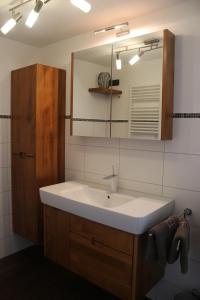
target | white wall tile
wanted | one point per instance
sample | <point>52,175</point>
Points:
<point>187,281</point>
<point>4,183</point>
<point>119,130</point>
<point>4,130</point>
<point>102,142</point>
<point>3,155</point>
<point>75,175</point>
<point>185,137</point>
<point>195,243</point>
<point>77,158</point>
<point>140,187</point>
<point>17,243</point>
<point>185,199</point>
<point>67,131</point>
<point>5,247</point>
<point>187,71</point>
<point>100,160</point>
<point>99,129</point>
<point>9,155</point>
<point>81,128</point>
<point>67,156</point>
<point>5,229</point>
<point>141,166</point>
<point>182,171</point>
<point>4,204</point>
<point>97,178</point>
<point>142,145</point>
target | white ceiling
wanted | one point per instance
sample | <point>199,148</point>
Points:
<point>60,20</point>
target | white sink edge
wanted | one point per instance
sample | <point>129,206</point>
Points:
<point>106,216</point>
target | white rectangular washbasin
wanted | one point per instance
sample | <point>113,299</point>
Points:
<point>131,214</point>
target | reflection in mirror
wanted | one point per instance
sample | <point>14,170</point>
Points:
<point>91,92</point>
<point>137,65</point>
<point>125,90</point>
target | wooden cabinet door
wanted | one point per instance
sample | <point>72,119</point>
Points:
<point>23,110</point>
<point>56,235</point>
<point>24,195</point>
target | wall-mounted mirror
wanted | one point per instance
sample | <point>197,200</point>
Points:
<point>125,90</point>
<point>91,104</point>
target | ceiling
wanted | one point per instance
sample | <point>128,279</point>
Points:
<point>60,20</point>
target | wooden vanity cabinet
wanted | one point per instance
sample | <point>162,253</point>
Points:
<point>37,142</point>
<point>110,258</point>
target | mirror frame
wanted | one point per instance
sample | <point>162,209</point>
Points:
<point>167,86</point>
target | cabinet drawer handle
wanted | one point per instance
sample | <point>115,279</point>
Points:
<point>24,155</point>
<point>96,243</point>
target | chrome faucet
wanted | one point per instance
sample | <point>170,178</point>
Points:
<point>113,182</point>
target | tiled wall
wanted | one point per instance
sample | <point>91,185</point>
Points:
<point>170,169</point>
<point>13,55</point>
<point>9,242</point>
<point>164,168</point>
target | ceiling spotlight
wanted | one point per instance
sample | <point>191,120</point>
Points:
<point>122,32</point>
<point>11,23</point>
<point>118,62</point>
<point>82,5</point>
<point>136,58</point>
<point>100,31</point>
<point>34,14</point>
<point>121,26</point>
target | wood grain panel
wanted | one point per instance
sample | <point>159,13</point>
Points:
<point>56,235</point>
<point>72,93</point>
<point>47,125</point>
<point>116,239</point>
<point>24,194</point>
<point>38,133</point>
<point>105,267</point>
<point>146,273</point>
<point>103,262</point>
<point>61,124</point>
<point>168,85</point>
<point>23,99</point>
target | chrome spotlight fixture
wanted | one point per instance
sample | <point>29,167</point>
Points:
<point>83,5</point>
<point>11,23</point>
<point>118,62</point>
<point>121,26</point>
<point>34,14</point>
<point>136,58</point>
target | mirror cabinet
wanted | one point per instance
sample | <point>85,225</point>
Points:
<point>125,89</point>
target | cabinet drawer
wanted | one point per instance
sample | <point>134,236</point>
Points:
<point>108,268</point>
<point>106,235</point>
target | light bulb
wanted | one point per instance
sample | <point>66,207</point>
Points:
<point>136,58</point>
<point>82,5</point>
<point>34,14</point>
<point>118,62</point>
<point>11,23</point>
<point>8,26</point>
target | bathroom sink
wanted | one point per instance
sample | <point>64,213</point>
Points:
<point>97,197</point>
<point>131,214</point>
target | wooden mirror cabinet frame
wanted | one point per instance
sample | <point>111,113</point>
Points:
<point>167,86</point>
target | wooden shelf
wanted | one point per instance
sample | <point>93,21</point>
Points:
<point>105,91</point>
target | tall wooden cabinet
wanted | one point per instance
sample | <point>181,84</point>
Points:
<point>37,135</point>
